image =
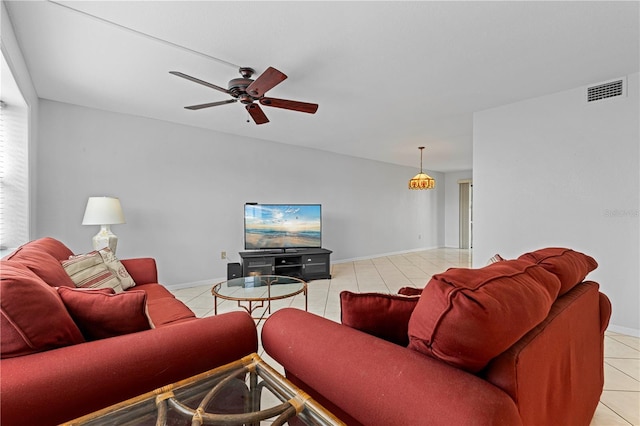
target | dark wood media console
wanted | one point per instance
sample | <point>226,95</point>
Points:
<point>308,264</point>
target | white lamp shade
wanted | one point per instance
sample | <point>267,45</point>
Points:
<point>103,211</point>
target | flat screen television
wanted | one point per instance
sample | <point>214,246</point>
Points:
<point>282,226</point>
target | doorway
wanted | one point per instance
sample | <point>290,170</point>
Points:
<point>466,214</point>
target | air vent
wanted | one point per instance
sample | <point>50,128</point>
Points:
<point>605,90</point>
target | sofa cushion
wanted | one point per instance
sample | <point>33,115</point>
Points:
<point>89,271</point>
<point>118,269</point>
<point>43,264</point>
<point>34,319</point>
<point>162,305</point>
<point>570,266</point>
<point>100,314</point>
<point>382,315</point>
<point>156,291</point>
<point>466,317</point>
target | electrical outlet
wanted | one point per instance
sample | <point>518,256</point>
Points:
<point>223,255</point>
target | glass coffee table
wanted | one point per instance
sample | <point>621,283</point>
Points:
<point>253,292</point>
<point>228,395</point>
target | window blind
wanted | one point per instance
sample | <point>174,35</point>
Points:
<point>14,164</point>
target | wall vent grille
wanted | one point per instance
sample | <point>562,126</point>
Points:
<point>605,90</point>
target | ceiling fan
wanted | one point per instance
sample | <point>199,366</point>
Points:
<point>248,91</point>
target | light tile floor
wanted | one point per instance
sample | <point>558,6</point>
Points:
<point>620,401</point>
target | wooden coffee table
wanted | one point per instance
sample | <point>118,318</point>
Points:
<point>253,292</point>
<point>228,395</point>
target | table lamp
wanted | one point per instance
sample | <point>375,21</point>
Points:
<point>104,211</point>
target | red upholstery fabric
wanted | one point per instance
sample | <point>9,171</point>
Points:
<point>570,266</point>
<point>69,382</point>
<point>51,246</point>
<point>43,265</point>
<point>410,291</point>
<point>143,269</point>
<point>381,315</point>
<point>561,359</point>
<point>34,318</point>
<point>466,317</point>
<point>167,311</point>
<point>99,314</point>
<point>154,291</point>
<point>358,376</point>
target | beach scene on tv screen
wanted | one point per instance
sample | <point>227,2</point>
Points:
<point>280,226</point>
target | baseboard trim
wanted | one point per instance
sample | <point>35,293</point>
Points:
<point>624,330</point>
<point>209,282</point>
<point>373,256</point>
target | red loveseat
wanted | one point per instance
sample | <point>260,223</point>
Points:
<point>52,372</point>
<point>518,342</point>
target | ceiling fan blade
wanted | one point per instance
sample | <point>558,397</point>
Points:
<point>292,105</point>
<point>267,80</point>
<point>197,80</point>
<point>257,114</point>
<point>211,104</point>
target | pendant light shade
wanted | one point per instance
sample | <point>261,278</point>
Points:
<point>422,180</point>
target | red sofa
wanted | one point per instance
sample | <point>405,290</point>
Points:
<point>50,373</point>
<point>518,342</point>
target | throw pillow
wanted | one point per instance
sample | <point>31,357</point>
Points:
<point>117,268</point>
<point>100,315</point>
<point>33,318</point>
<point>570,266</point>
<point>89,271</point>
<point>466,317</point>
<point>382,315</point>
<point>410,291</point>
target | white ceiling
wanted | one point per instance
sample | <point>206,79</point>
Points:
<point>388,76</point>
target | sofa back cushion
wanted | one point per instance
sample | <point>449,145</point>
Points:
<point>33,318</point>
<point>50,246</point>
<point>466,317</point>
<point>570,266</point>
<point>43,264</point>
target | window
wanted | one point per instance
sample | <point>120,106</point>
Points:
<point>14,163</point>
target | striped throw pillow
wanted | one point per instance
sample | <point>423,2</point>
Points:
<point>89,271</point>
<point>115,266</point>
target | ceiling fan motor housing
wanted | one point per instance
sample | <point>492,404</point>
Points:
<point>238,87</point>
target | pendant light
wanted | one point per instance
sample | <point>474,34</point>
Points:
<point>422,180</point>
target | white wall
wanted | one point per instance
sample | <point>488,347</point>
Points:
<point>183,190</point>
<point>452,207</point>
<point>556,171</point>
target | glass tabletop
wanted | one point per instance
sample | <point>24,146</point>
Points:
<point>247,391</point>
<point>259,287</point>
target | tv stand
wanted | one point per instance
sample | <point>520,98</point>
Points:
<point>308,264</point>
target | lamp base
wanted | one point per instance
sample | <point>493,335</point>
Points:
<point>105,238</point>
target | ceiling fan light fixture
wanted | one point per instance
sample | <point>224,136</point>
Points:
<point>422,180</point>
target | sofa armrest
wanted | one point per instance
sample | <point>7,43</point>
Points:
<point>366,380</point>
<point>62,384</point>
<point>143,270</point>
<point>605,312</point>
